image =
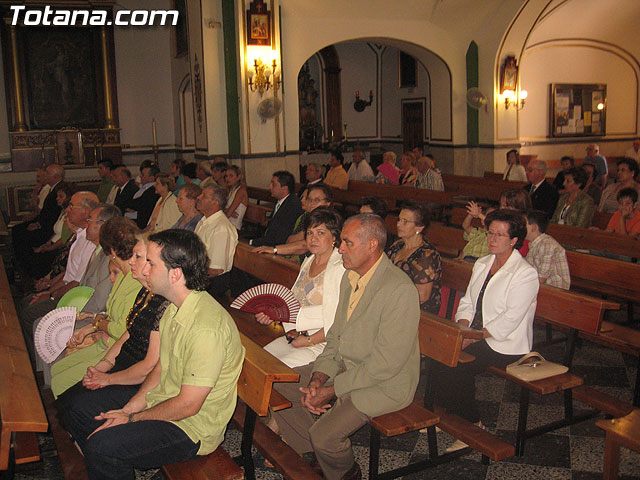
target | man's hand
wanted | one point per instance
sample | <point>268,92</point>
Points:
<point>264,249</point>
<point>40,297</point>
<point>95,379</point>
<point>316,399</point>
<point>113,418</point>
<point>33,226</point>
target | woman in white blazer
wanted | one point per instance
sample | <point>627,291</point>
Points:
<point>317,288</point>
<point>501,301</point>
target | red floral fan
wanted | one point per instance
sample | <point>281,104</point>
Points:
<point>272,299</point>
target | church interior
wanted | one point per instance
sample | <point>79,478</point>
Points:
<point>273,85</point>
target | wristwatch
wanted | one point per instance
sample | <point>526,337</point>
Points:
<point>275,250</point>
<point>131,420</point>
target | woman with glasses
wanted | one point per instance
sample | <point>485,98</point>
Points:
<point>501,302</point>
<point>416,256</point>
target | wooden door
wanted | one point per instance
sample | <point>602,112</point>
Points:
<point>412,125</point>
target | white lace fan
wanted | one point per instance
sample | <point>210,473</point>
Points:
<point>53,332</point>
<point>272,299</point>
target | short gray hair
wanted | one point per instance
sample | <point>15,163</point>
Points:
<point>219,194</point>
<point>371,226</point>
<point>541,165</point>
<point>88,199</point>
<point>108,212</point>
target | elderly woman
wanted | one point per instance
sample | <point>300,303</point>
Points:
<point>238,198</point>
<point>501,302</point>
<point>117,239</point>
<point>317,288</point>
<point>112,381</point>
<point>388,173</point>
<point>187,200</point>
<point>575,207</point>
<point>408,172</point>
<point>626,173</point>
<point>416,256</point>
<point>514,172</point>
<point>166,213</point>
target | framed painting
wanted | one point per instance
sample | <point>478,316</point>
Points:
<point>258,24</point>
<point>508,75</point>
<point>19,202</point>
<point>69,150</point>
<point>577,110</point>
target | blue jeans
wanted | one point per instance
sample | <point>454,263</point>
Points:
<point>113,453</point>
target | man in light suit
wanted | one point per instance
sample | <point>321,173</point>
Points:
<point>371,362</point>
<point>285,213</point>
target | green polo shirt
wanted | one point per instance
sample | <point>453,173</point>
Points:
<point>200,346</point>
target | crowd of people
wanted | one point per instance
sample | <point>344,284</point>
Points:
<point>154,359</point>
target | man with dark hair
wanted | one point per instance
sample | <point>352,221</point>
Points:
<point>371,362</point>
<point>182,408</point>
<point>566,163</point>
<point>337,176</point>
<point>545,254</point>
<point>106,183</point>
<point>144,200</point>
<point>217,172</point>
<point>219,236</point>
<point>285,213</point>
<point>126,187</point>
<point>543,196</point>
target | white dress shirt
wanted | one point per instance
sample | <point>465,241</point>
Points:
<point>79,256</point>
<point>220,237</point>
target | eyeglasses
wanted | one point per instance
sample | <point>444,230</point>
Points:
<point>404,221</point>
<point>316,200</point>
<point>496,234</point>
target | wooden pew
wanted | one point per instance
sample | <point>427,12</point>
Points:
<point>260,370</point>
<point>584,238</point>
<point>21,410</point>
<point>260,195</point>
<point>269,268</point>
<point>620,432</point>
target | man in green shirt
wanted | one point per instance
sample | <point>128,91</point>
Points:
<point>184,405</point>
<point>106,183</point>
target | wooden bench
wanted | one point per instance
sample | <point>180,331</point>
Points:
<point>260,370</point>
<point>597,240</point>
<point>620,432</point>
<point>260,195</point>
<point>21,410</point>
<point>269,268</point>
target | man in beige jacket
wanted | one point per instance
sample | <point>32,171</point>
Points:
<point>371,362</point>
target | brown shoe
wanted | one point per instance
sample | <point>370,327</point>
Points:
<point>354,473</point>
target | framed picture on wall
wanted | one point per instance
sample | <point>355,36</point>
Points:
<point>509,75</point>
<point>69,150</point>
<point>19,202</point>
<point>258,24</point>
<point>577,110</point>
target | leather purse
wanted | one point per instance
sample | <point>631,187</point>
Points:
<point>533,366</point>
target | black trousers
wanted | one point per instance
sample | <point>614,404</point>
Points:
<point>456,387</point>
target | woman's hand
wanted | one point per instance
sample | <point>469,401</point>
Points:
<point>83,316</point>
<point>79,335</point>
<point>300,341</point>
<point>263,319</point>
<point>95,379</point>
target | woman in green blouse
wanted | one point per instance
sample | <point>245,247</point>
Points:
<point>117,238</point>
<point>575,207</point>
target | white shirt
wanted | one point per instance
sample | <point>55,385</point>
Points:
<point>169,213</point>
<point>361,172</point>
<point>220,237</point>
<point>42,195</point>
<point>79,256</point>
<point>138,194</point>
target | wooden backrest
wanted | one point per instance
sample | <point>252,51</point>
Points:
<point>456,216</point>
<point>446,238</point>
<point>260,370</point>
<point>601,220</point>
<point>257,214</point>
<point>613,273</point>
<point>260,194</point>
<point>268,268</point>
<point>399,193</point>
<point>456,274</point>
<point>595,240</point>
<point>441,339</point>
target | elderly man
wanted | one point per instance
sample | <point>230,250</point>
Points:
<point>634,151</point>
<point>544,196</point>
<point>183,407</point>
<point>594,157</point>
<point>31,234</point>
<point>313,174</point>
<point>429,177</point>
<point>126,187</point>
<point>144,200</point>
<point>360,169</point>
<point>218,235</point>
<point>371,362</point>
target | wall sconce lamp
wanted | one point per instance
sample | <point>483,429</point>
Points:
<point>511,100</point>
<point>263,78</point>
<point>359,105</point>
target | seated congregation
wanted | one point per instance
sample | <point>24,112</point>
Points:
<point>155,358</point>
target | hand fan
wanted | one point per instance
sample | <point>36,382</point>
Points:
<point>272,299</point>
<point>53,332</point>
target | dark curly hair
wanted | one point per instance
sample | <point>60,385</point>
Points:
<point>517,198</point>
<point>421,213</point>
<point>118,237</point>
<point>516,221</point>
<point>579,175</point>
<point>324,216</point>
<point>184,250</point>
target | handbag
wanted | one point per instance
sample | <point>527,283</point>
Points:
<point>533,366</point>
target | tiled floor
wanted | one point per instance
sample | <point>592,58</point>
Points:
<point>574,452</point>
